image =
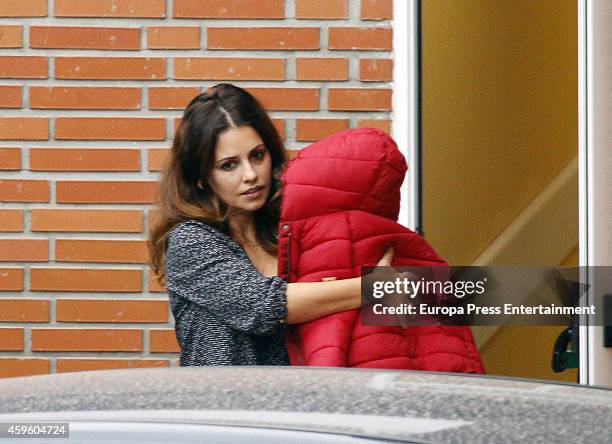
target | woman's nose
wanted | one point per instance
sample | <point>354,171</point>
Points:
<point>248,173</point>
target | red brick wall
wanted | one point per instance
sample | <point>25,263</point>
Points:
<point>90,92</point>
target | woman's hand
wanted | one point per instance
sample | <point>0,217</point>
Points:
<point>311,300</point>
<point>390,274</point>
<point>377,274</point>
<point>387,258</point>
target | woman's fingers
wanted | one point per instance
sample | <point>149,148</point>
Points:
<point>387,258</point>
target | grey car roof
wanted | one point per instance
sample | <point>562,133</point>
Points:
<point>404,405</point>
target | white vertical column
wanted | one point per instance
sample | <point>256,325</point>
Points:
<point>595,164</point>
<point>405,107</point>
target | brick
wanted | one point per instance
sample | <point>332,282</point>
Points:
<point>263,38</point>
<point>154,285</point>
<point>86,339</point>
<point>87,159</point>
<point>381,124</point>
<point>321,9</point>
<point>106,192</point>
<point>24,128</point>
<point>11,220</point>
<point>307,130</point>
<point>97,221</point>
<point>361,38</point>
<point>80,37</point>
<point>225,68</point>
<point>110,68</point>
<point>24,310</point>
<point>376,9</point>
<point>23,8</point>
<point>18,190</point>
<point>83,279</point>
<point>111,8</point>
<point>112,251</point>
<point>11,339</point>
<point>81,365</point>
<point>157,158</point>
<point>10,159</point>
<point>24,67</point>
<point>376,70</point>
<point>171,97</point>
<point>107,310</point>
<point>238,9</point>
<point>321,69</point>
<point>12,367</point>
<point>173,37</point>
<point>11,36</point>
<point>279,124</point>
<point>287,99</point>
<point>163,341</point>
<point>24,250</point>
<point>122,128</point>
<point>10,96</point>
<point>176,123</point>
<point>359,99</point>
<point>11,279</point>
<point>72,97</point>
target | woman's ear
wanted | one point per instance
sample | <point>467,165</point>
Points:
<point>199,184</point>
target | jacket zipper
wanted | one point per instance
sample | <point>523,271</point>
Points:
<point>288,256</point>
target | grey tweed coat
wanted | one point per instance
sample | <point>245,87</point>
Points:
<point>225,311</point>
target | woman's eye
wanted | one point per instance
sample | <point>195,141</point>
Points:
<point>227,166</point>
<point>258,155</point>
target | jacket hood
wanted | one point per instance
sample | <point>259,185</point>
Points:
<point>356,169</point>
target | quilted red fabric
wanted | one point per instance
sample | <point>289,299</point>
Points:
<point>341,199</point>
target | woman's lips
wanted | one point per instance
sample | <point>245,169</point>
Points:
<point>254,192</point>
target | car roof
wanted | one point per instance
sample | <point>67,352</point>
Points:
<point>420,406</point>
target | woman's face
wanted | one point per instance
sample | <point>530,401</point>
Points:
<point>242,169</point>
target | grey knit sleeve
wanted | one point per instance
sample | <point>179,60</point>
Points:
<point>204,266</point>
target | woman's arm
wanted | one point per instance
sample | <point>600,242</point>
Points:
<point>311,300</point>
<point>201,267</point>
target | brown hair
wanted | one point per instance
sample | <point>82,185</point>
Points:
<point>183,190</point>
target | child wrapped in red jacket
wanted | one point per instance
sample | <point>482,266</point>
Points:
<point>341,199</point>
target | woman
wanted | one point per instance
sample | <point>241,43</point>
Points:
<point>215,241</point>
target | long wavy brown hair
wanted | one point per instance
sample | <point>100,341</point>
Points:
<point>183,191</point>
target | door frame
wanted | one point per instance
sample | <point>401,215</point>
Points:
<point>407,105</point>
<point>595,181</point>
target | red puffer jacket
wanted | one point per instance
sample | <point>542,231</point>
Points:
<point>341,199</point>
